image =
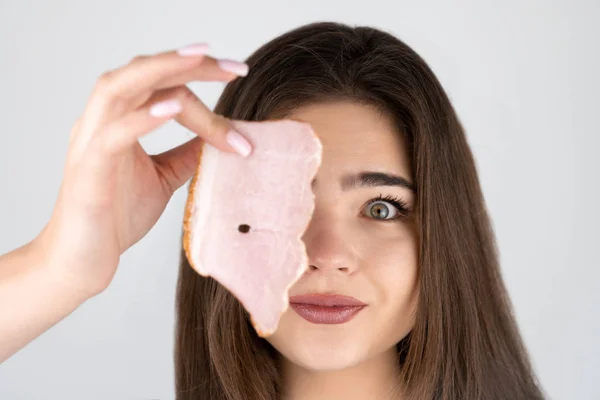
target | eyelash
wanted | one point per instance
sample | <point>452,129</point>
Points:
<point>397,202</point>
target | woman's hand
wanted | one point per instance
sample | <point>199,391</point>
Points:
<point>113,192</point>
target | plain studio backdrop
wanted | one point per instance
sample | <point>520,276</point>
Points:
<point>522,76</point>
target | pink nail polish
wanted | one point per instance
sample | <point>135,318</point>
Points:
<point>198,49</point>
<point>236,67</point>
<point>239,143</point>
<point>165,108</point>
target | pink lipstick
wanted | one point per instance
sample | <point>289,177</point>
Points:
<point>326,308</point>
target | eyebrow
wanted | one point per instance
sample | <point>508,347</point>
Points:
<point>372,179</point>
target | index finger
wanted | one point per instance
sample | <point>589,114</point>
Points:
<point>124,89</point>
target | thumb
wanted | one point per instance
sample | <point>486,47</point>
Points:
<point>177,165</point>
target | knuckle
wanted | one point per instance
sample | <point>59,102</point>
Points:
<point>104,88</point>
<point>178,92</point>
<point>104,143</point>
<point>207,128</point>
<point>185,95</point>
<point>98,146</point>
<point>214,126</point>
<point>104,80</point>
<point>138,59</point>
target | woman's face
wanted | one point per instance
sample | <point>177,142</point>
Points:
<point>366,251</point>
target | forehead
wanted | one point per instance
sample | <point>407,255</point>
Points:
<point>355,137</point>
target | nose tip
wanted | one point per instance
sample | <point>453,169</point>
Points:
<point>329,247</point>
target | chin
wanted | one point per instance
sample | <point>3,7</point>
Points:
<point>319,346</point>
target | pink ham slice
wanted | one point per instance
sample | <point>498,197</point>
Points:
<point>245,216</point>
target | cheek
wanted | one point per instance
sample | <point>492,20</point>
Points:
<point>393,273</point>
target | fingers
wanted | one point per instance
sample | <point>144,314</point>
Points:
<point>178,164</point>
<point>209,70</point>
<point>148,73</point>
<point>179,102</point>
<point>125,89</point>
<point>124,132</point>
<point>214,129</point>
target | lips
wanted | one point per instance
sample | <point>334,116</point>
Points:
<point>328,300</point>
<point>326,308</point>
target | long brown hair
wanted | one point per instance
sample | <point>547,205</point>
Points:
<point>465,343</point>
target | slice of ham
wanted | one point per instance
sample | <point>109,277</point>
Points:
<point>245,217</point>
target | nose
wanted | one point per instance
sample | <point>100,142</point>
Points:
<point>329,249</point>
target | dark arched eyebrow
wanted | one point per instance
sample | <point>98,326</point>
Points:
<point>371,179</point>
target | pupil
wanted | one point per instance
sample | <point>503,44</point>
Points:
<point>380,212</point>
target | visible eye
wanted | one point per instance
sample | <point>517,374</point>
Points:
<point>378,209</point>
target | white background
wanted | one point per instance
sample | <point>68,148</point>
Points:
<point>523,76</point>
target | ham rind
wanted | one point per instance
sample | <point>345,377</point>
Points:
<point>245,217</point>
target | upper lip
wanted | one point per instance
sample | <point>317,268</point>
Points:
<point>327,300</point>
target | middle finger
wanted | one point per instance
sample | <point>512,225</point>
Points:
<point>125,89</point>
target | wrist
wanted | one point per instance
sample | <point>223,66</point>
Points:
<point>51,269</point>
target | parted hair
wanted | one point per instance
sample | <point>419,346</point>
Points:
<point>465,343</point>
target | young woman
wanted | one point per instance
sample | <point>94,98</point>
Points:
<point>400,225</point>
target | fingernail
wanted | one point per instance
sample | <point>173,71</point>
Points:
<point>238,143</point>
<point>165,108</point>
<point>236,67</point>
<point>197,49</point>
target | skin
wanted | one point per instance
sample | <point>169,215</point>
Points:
<point>112,191</point>
<point>97,217</point>
<point>354,253</point>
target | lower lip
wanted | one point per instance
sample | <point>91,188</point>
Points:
<point>325,314</point>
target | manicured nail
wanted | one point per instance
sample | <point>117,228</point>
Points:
<point>166,108</point>
<point>198,49</point>
<point>239,143</point>
<point>236,67</point>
